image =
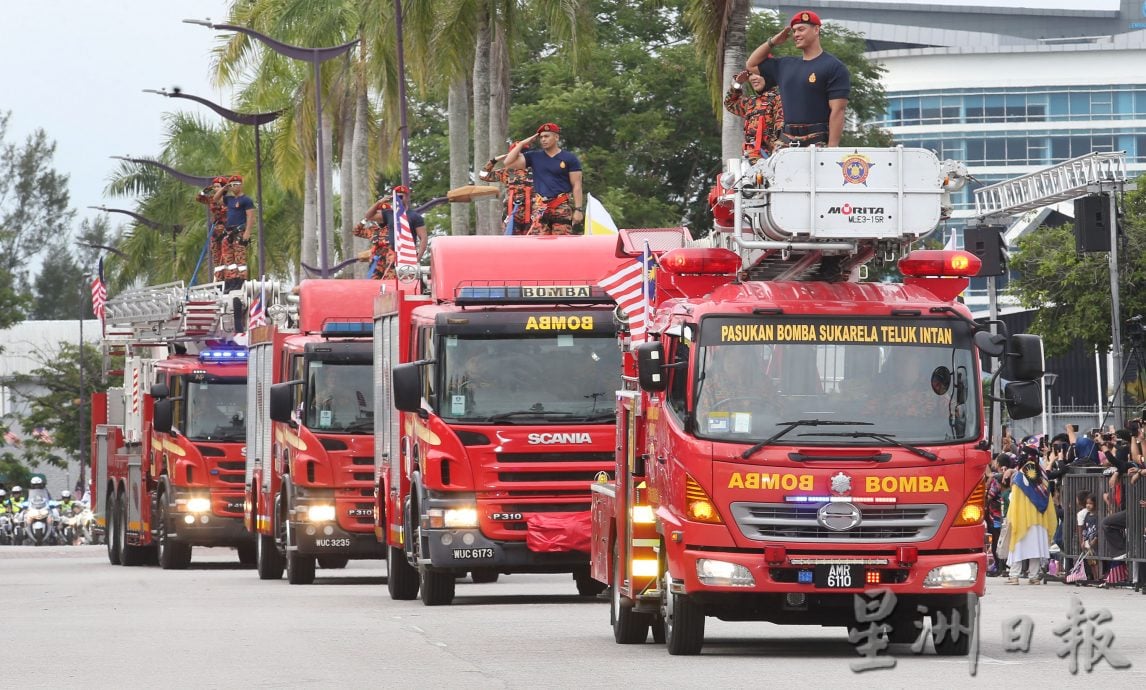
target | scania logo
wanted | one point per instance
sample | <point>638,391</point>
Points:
<point>551,439</point>
<point>839,517</point>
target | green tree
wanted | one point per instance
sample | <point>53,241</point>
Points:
<point>1071,291</point>
<point>59,287</point>
<point>63,408</point>
<point>33,214</point>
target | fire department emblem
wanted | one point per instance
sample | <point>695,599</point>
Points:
<point>841,484</point>
<point>805,18</point>
<point>855,168</point>
<point>812,78</point>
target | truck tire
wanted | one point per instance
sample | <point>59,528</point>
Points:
<point>173,554</point>
<point>333,562</point>
<point>111,529</point>
<point>268,560</point>
<point>586,585</point>
<point>130,556</point>
<point>299,568</point>
<point>484,576</point>
<point>437,588</point>
<point>401,578</point>
<point>968,614</point>
<point>248,554</point>
<point>683,621</point>
<point>629,626</point>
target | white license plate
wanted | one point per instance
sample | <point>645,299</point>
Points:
<point>331,543</point>
<point>471,554</point>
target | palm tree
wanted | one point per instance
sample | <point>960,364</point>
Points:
<point>720,28</point>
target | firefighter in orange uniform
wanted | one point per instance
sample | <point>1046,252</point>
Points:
<point>762,112</point>
<point>218,222</point>
<point>380,255</point>
<point>518,193</point>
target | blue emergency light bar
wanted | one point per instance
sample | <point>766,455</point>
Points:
<point>222,356</point>
<point>523,294</point>
<point>346,329</point>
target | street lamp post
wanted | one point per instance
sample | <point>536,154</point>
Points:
<point>1048,383</point>
<point>257,120</point>
<point>315,56</point>
<point>153,224</point>
<point>85,281</point>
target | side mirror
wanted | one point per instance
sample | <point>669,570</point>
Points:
<point>990,344</point>
<point>160,391</point>
<point>1024,358</point>
<point>1024,399</point>
<point>650,366</point>
<point>161,421</point>
<point>282,400</point>
<point>407,382</point>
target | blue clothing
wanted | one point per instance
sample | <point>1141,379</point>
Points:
<point>416,221</point>
<point>806,86</point>
<point>551,173</point>
<point>1085,452</point>
<point>237,210</point>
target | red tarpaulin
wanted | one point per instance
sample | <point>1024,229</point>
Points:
<point>556,532</point>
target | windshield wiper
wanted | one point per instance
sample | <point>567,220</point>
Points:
<point>888,438</point>
<point>506,416</point>
<point>788,426</point>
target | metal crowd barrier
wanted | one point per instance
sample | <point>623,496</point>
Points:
<point>1092,480</point>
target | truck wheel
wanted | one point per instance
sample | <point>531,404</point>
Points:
<point>248,554</point>
<point>402,578</point>
<point>299,568</point>
<point>437,588</point>
<point>268,560</point>
<point>173,554</point>
<point>484,576</point>
<point>968,613</point>
<point>684,622</point>
<point>129,555</point>
<point>629,626</point>
<point>333,562</point>
<point>586,585</point>
<point>111,530</point>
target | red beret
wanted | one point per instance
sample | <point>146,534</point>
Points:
<point>221,179</point>
<point>549,127</point>
<point>805,17</point>
<point>401,189</point>
<point>236,178</point>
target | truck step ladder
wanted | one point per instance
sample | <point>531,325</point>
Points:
<point>1057,183</point>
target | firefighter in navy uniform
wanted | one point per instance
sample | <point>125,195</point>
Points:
<point>558,201</point>
<point>762,111</point>
<point>240,219</point>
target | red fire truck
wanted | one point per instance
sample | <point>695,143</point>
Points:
<point>500,415</point>
<point>310,449</point>
<point>790,436</point>
<point>167,444</point>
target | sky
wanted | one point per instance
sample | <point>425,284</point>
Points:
<point>75,68</point>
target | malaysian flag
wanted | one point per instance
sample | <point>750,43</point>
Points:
<point>257,312</point>
<point>41,434</point>
<point>13,439</point>
<point>99,293</point>
<point>631,287</point>
<point>404,247</point>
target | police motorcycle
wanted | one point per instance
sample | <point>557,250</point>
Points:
<point>82,518</point>
<point>5,520</point>
<point>40,519</point>
<point>16,514</point>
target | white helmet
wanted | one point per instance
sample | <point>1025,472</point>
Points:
<point>36,483</point>
<point>65,494</point>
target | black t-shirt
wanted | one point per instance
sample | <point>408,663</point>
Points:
<point>415,218</point>
<point>806,86</point>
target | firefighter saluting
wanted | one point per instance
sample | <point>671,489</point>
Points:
<point>558,203</point>
<point>378,227</point>
<point>762,112</point>
<point>213,199</point>
<point>518,214</point>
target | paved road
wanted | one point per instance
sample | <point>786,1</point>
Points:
<point>69,616</point>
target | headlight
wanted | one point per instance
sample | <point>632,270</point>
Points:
<point>954,575</point>
<point>723,573</point>
<point>643,515</point>
<point>320,513</point>
<point>198,505</point>
<point>452,518</point>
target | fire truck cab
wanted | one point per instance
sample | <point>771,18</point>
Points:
<point>790,436</point>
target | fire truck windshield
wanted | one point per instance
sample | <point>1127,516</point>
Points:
<point>835,383</point>
<point>216,410</point>
<point>340,397</point>
<point>553,379</point>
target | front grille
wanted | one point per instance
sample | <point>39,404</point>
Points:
<point>362,476</point>
<point>546,493</point>
<point>332,443</point>
<point>543,507</point>
<point>210,451</point>
<point>547,476</point>
<point>787,522</point>
<point>362,460</point>
<point>555,457</point>
<point>233,465</point>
